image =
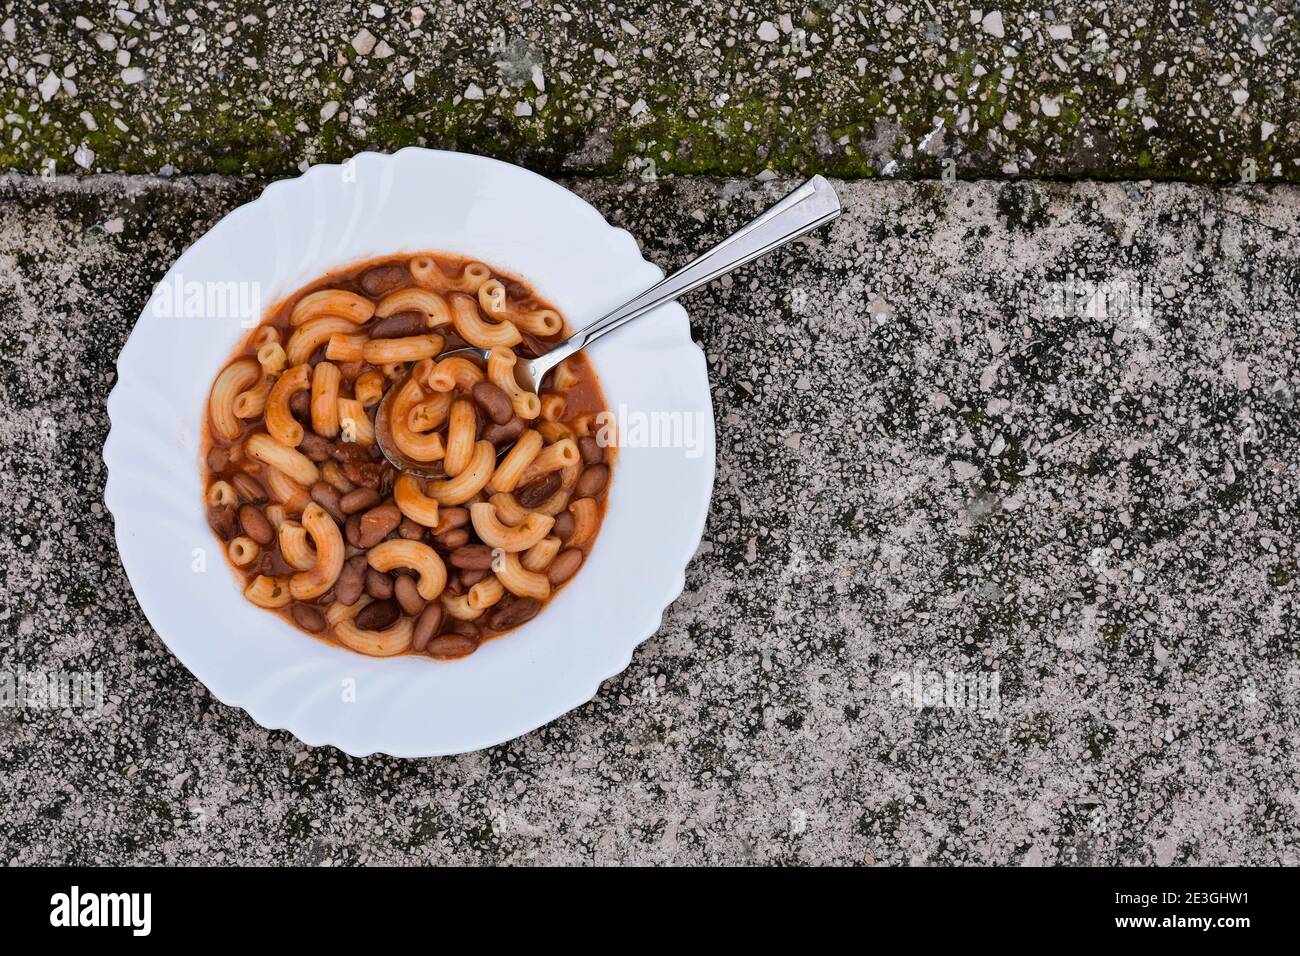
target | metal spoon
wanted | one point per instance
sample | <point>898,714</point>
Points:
<point>811,205</point>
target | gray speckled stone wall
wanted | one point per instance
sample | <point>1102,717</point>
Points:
<point>1041,437</point>
<point>1190,89</point>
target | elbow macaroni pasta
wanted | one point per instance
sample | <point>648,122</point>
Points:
<point>296,547</point>
<point>280,423</point>
<point>523,454</point>
<point>462,431</point>
<point>235,378</point>
<point>522,536</point>
<point>295,465</point>
<point>476,330</point>
<point>501,369</point>
<point>521,582</point>
<point>541,322</point>
<point>320,577</point>
<point>429,304</point>
<point>413,502</point>
<point>332,302</point>
<point>412,348</point>
<point>421,558</point>
<point>430,274</point>
<point>285,490</point>
<point>454,372</point>
<point>325,380</point>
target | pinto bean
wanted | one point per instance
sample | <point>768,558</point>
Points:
<point>591,450</point>
<point>351,580</point>
<point>307,617</point>
<point>327,496</point>
<point>315,447</point>
<point>408,595</point>
<point>380,280</point>
<point>249,488</point>
<point>533,493</point>
<point>378,584</point>
<point>352,530</point>
<point>448,646</point>
<point>377,523</point>
<point>368,474</point>
<point>223,521</point>
<point>512,615</point>
<point>345,451</point>
<point>398,326</point>
<point>426,625</point>
<point>564,524</point>
<point>564,566</point>
<point>494,402</point>
<point>410,530</point>
<point>592,481</point>
<point>377,615</point>
<point>532,344</point>
<point>504,434</point>
<point>255,524</point>
<point>475,557</point>
<point>451,540</point>
<point>359,499</point>
<point>470,578</point>
<point>218,458</point>
<point>449,518</point>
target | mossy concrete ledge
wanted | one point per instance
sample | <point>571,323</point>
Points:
<point>1001,564</point>
<point>1196,90</point>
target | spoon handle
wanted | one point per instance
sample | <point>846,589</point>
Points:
<point>811,205</point>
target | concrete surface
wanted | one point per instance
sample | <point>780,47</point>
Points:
<point>936,456</point>
<point>1189,89</point>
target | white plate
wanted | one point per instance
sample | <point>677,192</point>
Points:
<point>414,200</point>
